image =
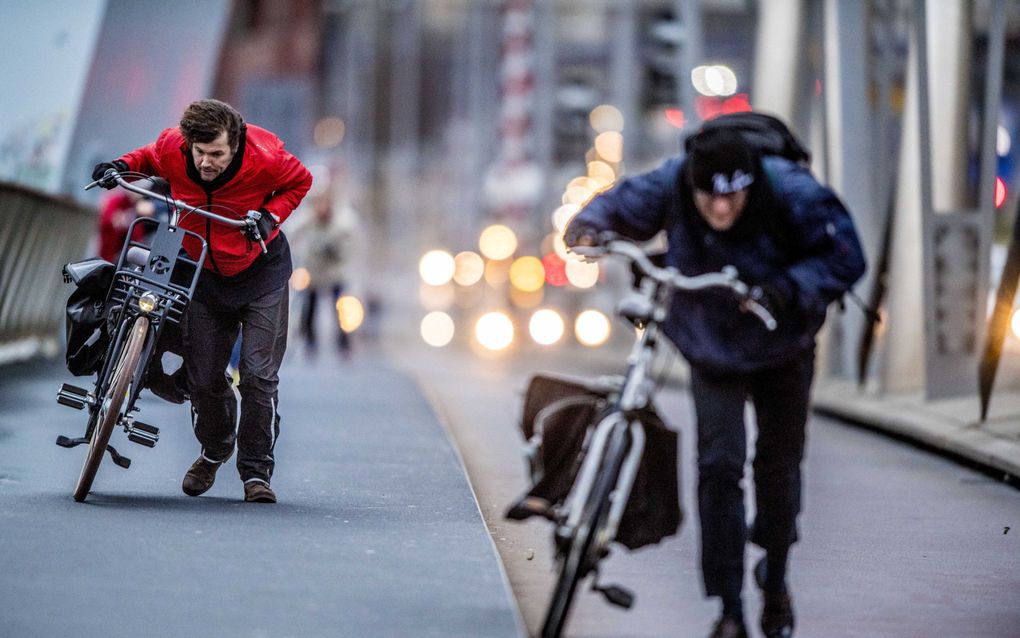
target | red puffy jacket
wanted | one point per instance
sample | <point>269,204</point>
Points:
<point>265,177</point>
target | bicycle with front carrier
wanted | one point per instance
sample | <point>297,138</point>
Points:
<point>150,289</point>
<point>587,520</point>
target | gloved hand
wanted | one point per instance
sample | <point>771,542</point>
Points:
<point>100,170</point>
<point>579,234</point>
<point>777,296</point>
<point>265,224</point>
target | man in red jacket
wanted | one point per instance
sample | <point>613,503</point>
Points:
<point>215,160</point>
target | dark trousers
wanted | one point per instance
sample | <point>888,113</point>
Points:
<point>780,396</point>
<point>308,318</point>
<point>209,335</point>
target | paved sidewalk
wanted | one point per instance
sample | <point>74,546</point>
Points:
<point>950,425</point>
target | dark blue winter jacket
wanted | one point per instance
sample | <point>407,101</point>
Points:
<point>793,232</point>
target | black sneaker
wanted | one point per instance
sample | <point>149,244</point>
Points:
<point>200,476</point>
<point>777,619</point>
<point>256,491</point>
<point>727,627</point>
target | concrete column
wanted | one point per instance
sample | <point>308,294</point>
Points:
<point>949,64</point>
<point>777,57</point>
<point>849,154</point>
<point>904,355</point>
<point>932,186</point>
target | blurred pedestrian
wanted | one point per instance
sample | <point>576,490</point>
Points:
<point>116,212</point>
<point>215,160</point>
<point>325,242</point>
<point>725,203</point>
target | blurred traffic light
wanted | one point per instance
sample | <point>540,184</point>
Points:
<point>661,40</point>
<point>575,100</point>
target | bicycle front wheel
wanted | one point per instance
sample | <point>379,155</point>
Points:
<point>580,555</point>
<point>110,411</point>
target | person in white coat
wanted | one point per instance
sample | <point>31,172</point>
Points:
<point>326,243</point>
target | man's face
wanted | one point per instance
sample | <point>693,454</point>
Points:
<point>720,210</point>
<point>212,158</point>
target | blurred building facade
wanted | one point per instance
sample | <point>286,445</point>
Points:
<point>438,118</point>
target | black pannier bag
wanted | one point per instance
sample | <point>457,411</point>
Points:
<point>85,324</point>
<point>169,386</point>
<point>556,418</point>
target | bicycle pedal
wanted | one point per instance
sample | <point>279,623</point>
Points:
<point>143,437</point>
<point>145,427</point>
<point>615,595</point>
<point>117,458</point>
<point>63,441</point>
<point>73,397</point>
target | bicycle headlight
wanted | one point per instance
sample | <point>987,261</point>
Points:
<point>147,302</point>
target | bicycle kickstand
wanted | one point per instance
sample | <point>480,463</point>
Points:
<point>615,594</point>
<point>116,456</point>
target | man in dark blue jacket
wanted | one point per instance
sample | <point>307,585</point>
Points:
<point>793,241</point>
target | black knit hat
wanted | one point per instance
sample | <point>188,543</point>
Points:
<point>719,161</point>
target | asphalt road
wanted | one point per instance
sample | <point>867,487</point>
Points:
<point>896,541</point>
<point>377,532</point>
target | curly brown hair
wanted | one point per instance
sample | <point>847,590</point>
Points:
<point>204,120</point>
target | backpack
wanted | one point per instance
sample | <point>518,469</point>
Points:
<point>765,134</point>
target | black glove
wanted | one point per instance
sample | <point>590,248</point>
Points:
<point>579,234</point>
<point>100,170</point>
<point>265,224</point>
<point>777,296</point>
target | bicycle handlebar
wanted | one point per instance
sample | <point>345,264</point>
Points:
<point>249,220</point>
<point>726,278</point>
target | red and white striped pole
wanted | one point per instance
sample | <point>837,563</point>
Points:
<point>515,180</point>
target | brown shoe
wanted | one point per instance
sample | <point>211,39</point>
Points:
<point>256,491</point>
<point>200,476</point>
<point>727,627</point>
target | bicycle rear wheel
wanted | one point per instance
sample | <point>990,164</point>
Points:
<point>110,411</point>
<point>580,555</point>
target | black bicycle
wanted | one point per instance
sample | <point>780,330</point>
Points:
<point>602,425</point>
<point>147,292</point>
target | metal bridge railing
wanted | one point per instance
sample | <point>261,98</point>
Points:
<point>39,233</point>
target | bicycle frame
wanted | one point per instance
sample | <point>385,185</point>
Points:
<point>632,397</point>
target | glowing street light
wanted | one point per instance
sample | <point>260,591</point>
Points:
<point>591,328</point>
<point>546,327</point>
<point>527,274</point>
<point>494,330</point>
<point>299,279</point>
<point>468,268</point>
<point>582,274</point>
<point>437,329</point>
<point>436,267</point>
<point>497,242</point>
<point>350,313</point>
